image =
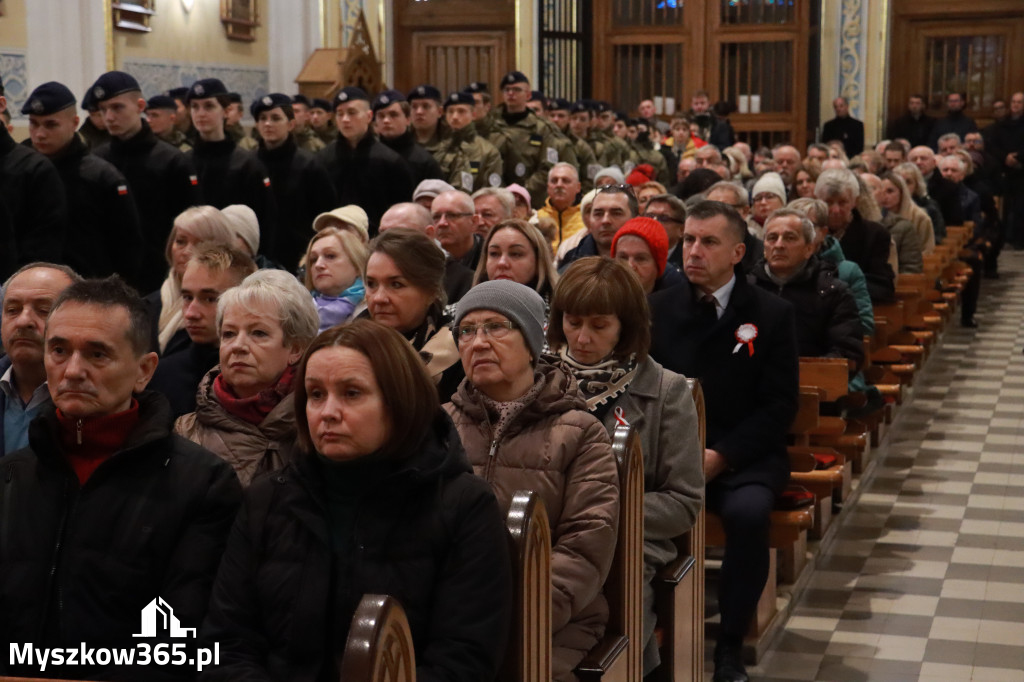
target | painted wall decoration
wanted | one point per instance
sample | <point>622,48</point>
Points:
<point>14,69</point>
<point>851,55</point>
<point>156,76</point>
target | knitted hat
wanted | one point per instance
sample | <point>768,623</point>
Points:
<point>641,174</point>
<point>244,224</point>
<point>612,172</point>
<point>350,215</point>
<point>770,182</point>
<point>431,188</point>
<point>652,232</point>
<point>520,304</point>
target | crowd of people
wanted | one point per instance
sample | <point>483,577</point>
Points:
<point>259,374</point>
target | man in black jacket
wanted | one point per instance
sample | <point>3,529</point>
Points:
<point>955,120</point>
<point>301,186</point>
<point>159,176</point>
<point>391,122</point>
<point>844,128</point>
<point>939,188</point>
<point>365,172</point>
<point>107,237</point>
<point>864,242</point>
<point>33,195</point>
<point>741,343</point>
<point>107,511</point>
<point>915,126</point>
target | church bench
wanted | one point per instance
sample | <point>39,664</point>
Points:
<point>528,657</point>
<point>379,646</point>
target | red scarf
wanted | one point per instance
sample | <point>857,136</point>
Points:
<point>255,409</point>
<point>89,442</point>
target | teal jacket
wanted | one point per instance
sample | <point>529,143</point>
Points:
<point>851,273</point>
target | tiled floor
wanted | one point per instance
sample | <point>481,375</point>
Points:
<point>925,580</point>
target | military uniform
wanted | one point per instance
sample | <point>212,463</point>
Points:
<point>614,151</point>
<point>588,165</point>
<point>327,134</point>
<point>92,135</point>
<point>177,139</point>
<point>469,162</point>
<point>424,165</point>
<point>540,147</point>
<point>308,139</point>
<point>645,152</point>
<point>242,139</point>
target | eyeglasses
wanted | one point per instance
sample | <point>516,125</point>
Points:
<point>617,189</point>
<point>662,218</point>
<point>492,330</point>
<point>449,216</point>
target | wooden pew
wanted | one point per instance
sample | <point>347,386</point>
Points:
<point>379,646</point>
<point>618,657</point>
<point>528,658</point>
<point>679,592</point>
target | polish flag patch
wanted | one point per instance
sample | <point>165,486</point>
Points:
<point>122,190</point>
<point>194,179</point>
<point>266,182</point>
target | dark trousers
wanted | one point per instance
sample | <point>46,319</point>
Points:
<point>746,517</point>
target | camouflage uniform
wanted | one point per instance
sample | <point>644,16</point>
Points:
<point>328,134</point>
<point>178,139</point>
<point>614,150</point>
<point>469,162</point>
<point>588,165</point>
<point>646,153</point>
<point>540,146</point>
<point>242,140</point>
<point>309,140</point>
<point>436,144</point>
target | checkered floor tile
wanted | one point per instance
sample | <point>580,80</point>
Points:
<point>925,580</point>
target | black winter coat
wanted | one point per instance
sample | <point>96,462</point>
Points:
<point>867,244</point>
<point>429,534</point>
<point>943,191</point>
<point>371,176</point>
<point>163,183</point>
<point>36,205</point>
<point>107,237</point>
<point>79,563</point>
<point>302,190</point>
<point>751,398</point>
<point>229,175</point>
<point>827,319</point>
<point>423,164</point>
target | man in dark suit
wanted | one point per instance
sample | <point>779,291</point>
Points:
<point>741,343</point>
<point>844,128</point>
<point>915,126</point>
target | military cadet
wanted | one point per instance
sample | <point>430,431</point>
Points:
<point>183,122</point>
<point>482,112</point>
<point>645,152</point>
<point>427,117</point>
<point>391,122</point>
<point>229,175</point>
<point>537,103</point>
<point>92,131</point>
<point>615,151</point>
<point>559,113</point>
<point>106,238</point>
<point>159,176</point>
<point>539,144</point>
<point>300,183</point>
<point>364,171</point>
<point>32,201</point>
<point>321,120</point>
<point>468,161</point>
<point>233,123</point>
<point>303,133</point>
<point>162,116</point>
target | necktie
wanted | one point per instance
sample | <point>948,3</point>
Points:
<point>708,314</point>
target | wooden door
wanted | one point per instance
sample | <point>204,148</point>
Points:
<point>449,43</point>
<point>939,47</point>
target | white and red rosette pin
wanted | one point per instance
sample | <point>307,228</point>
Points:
<point>745,334</point>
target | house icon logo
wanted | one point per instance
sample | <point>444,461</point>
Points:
<point>158,619</point>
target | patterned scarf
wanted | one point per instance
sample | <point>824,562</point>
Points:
<point>603,382</point>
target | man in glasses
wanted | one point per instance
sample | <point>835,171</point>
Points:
<point>455,223</point>
<point>612,207</point>
<point>670,211</point>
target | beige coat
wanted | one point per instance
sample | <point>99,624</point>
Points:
<point>557,449</point>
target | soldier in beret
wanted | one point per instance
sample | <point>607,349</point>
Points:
<point>159,176</point>
<point>428,117</point>
<point>391,122</point>
<point>559,113</point>
<point>32,203</point>
<point>93,131</point>
<point>228,174</point>
<point>183,122</point>
<point>537,103</point>
<point>300,183</point>
<point>321,120</point>
<point>365,172</point>
<point>162,116</point>
<point>233,123</point>
<point>482,111</point>
<point>303,133</point>
<point>106,237</point>
<point>469,161</point>
<point>610,149</point>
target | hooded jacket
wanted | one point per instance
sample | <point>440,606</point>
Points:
<point>559,450</point>
<point>428,533</point>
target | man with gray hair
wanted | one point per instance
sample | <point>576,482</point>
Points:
<point>827,319</point>
<point>670,211</point>
<point>457,277</point>
<point>455,226</point>
<point>864,242</point>
<point>949,143</point>
<point>561,205</point>
<point>493,205</point>
<point>938,187</point>
<point>28,296</point>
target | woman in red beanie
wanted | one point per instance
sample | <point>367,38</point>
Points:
<point>643,244</point>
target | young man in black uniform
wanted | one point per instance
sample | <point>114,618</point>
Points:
<point>391,122</point>
<point>227,174</point>
<point>364,171</point>
<point>159,176</point>
<point>300,183</point>
<point>106,237</point>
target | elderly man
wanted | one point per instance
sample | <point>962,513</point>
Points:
<point>787,160</point>
<point>954,170</point>
<point>844,128</point>
<point>391,113</point>
<point>827,319</point>
<point>955,120</point>
<point>28,296</point>
<point>670,211</point>
<point>106,508</point>
<point>365,171</point>
<point>949,143</point>
<point>493,205</point>
<point>864,242</point>
<point>613,205</point>
<point>938,187</point>
<point>455,227</point>
<point>107,237</point>
<point>741,343</point>
<point>209,274</point>
<point>561,205</point>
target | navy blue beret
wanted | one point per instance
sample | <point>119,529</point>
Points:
<point>459,98</point>
<point>319,103</point>
<point>386,99</point>
<point>300,99</point>
<point>206,88</point>
<point>110,84</point>
<point>268,102</point>
<point>425,92</point>
<point>350,94</point>
<point>162,102</point>
<point>49,98</point>
<point>476,86</point>
<point>513,77</point>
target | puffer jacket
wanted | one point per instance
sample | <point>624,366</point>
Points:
<point>908,243</point>
<point>557,449</point>
<point>853,276</point>
<point>249,449</point>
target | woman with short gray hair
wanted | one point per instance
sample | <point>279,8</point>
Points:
<point>245,409</point>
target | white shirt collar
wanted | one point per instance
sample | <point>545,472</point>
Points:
<point>723,294</point>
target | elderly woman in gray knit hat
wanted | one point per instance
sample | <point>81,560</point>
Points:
<point>525,426</point>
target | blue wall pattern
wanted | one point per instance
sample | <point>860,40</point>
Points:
<point>156,76</point>
<point>14,70</point>
<point>349,16</point>
<point>851,54</point>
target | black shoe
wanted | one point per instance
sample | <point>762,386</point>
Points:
<point>729,665</point>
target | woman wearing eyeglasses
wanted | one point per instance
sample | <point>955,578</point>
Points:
<point>525,426</point>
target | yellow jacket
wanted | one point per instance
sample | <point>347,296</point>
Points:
<point>567,222</point>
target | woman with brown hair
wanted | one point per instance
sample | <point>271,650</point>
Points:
<point>600,328</point>
<point>381,500</point>
<point>404,280</point>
